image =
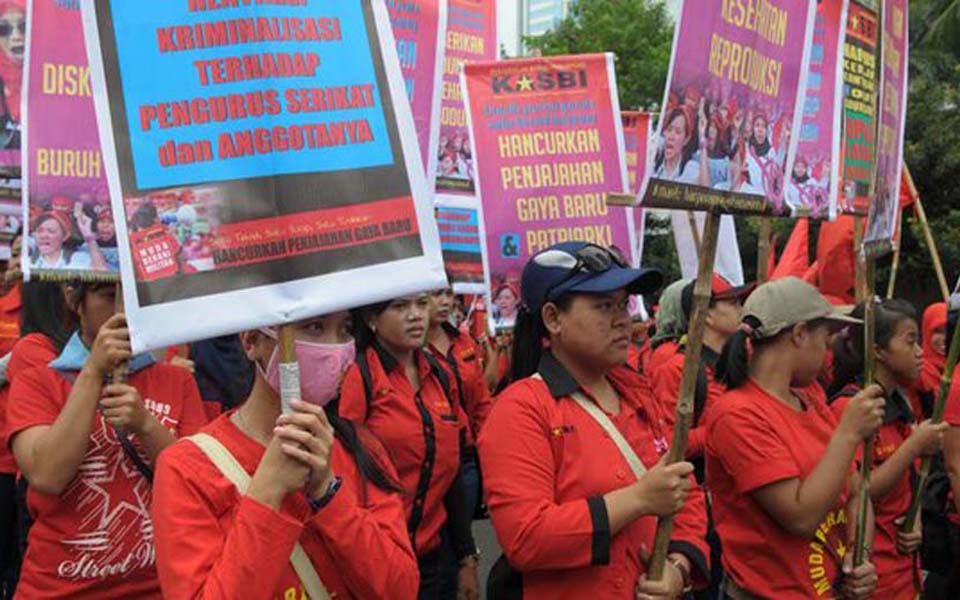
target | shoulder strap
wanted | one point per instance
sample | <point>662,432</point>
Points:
<point>364,365</point>
<point>234,471</point>
<point>636,465</point>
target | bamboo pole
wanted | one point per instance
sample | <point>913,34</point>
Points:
<point>289,368</point>
<point>122,370</point>
<point>869,355</point>
<point>860,277</point>
<point>894,269</point>
<point>932,247</point>
<point>691,366</point>
<point>763,250</point>
<point>694,230</point>
<point>946,382</point>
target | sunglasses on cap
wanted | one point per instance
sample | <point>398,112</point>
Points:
<point>6,29</point>
<point>591,259</point>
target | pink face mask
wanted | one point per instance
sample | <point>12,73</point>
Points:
<point>321,368</point>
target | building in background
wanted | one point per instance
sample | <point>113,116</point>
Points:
<point>540,16</point>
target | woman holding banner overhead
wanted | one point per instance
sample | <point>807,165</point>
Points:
<point>406,398</point>
<point>573,451</point>
<point>87,448</point>
<point>900,441</point>
<point>780,466</point>
<point>271,505</point>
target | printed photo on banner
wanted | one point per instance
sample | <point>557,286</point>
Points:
<point>281,174</point>
<point>71,231</point>
<point>13,48</point>
<point>734,96</point>
<point>637,130</point>
<point>471,36</point>
<point>549,146</point>
<point>882,219</point>
<point>813,185</point>
<point>11,212</point>
<point>861,83</point>
<point>460,222</point>
<point>420,28</point>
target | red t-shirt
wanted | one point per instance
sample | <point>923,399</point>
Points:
<point>9,320</point>
<point>33,350</point>
<point>96,539</point>
<point>214,543</point>
<point>666,388</point>
<point>421,448</point>
<point>951,415</point>
<point>754,440</point>
<point>894,570</point>
<point>546,466</point>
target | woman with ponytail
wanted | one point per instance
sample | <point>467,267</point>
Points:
<point>780,467</point>
<point>407,399</point>
<point>573,450</point>
<point>319,508</point>
<point>900,441</point>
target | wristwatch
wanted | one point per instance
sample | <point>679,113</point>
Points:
<point>474,558</point>
<point>327,496</point>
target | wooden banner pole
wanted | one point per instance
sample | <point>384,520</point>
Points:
<point>932,247</point>
<point>860,268</point>
<point>122,370</point>
<point>763,250</point>
<point>863,500</point>
<point>691,366</point>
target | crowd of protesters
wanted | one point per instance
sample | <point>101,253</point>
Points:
<point>179,474</point>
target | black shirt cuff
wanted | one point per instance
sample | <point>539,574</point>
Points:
<point>600,548</point>
<point>701,569</point>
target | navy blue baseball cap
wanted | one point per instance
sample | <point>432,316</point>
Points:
<point>580,267</point>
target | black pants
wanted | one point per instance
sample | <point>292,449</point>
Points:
<point>9,540</point>
<point>941,558</point>
<point>439,573</point>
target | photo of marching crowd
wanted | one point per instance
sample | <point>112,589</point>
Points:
<point>73,233</point>
<point>714,138</point>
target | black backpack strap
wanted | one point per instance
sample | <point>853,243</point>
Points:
<point>125,443</point>
<point>364,365</point>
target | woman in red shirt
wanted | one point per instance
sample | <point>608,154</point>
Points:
<point>405,397</point>
<point>461,357</point>
<point>899,442</point>
<point>86,447</point>
<point>574,510</point>
<point>934,349</point>
<point>313,486</point>
<point>780,468</point>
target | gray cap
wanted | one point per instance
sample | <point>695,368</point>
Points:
<point>785,302</point>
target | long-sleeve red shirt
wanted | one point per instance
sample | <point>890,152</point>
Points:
<point>463,362</point>
<point>547,465</point>
<point>420,430</point>
<point>214,543</point>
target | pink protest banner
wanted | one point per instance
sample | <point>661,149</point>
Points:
<point>13,47</point>
<point>882,218</point>
<point>813,184</point>
<point>471,36</point>
<point>66,203</point>
<point>549,149</point>
<point>420,28</point>
<point>636,144</point>
<point>734,94</point>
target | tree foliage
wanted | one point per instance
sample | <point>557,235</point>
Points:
<point>639,32</point>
